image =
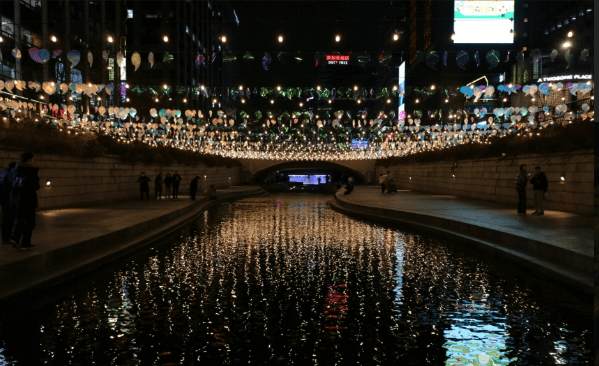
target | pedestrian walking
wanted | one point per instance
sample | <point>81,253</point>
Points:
<point>211,192</point>
<point>539,187</point>
<point>158,182</point>
<point>25,183</point>
<point>144,186</point>
<point>391,187</point>
<point>383,182</point>
<point>193,187</point>
<point>8,214</point>
<point>168,183</point>
<point>521,181</point>
<point>176,183</point>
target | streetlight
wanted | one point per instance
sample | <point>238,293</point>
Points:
<point>395,36</point>
<point>337,38</point>
<point>110,40</point>
<point>280,39</point>
<point>53,39</point>
<point>165,38</point>
<point>570,34</point>
<point>224,39</point>
<point>566,44</point>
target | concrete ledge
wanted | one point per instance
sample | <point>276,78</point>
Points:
<point>37,271</point>
<point>569,268</point>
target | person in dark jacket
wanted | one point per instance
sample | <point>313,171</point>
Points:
<point>211,192</point>
<point>23,199</point>
<point>168,184</point>
<point>176,183</point>
<point>193,187</point>
<point>158,182</point>
<point>521,181</point>
<point>8,214</point>
<point>539,187</point>
<point>144,186</point>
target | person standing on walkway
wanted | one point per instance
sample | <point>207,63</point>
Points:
<point>539,187</point>
<point>144,186</point>
<point>521,181</point>
<point>391,187</point>
<point>193,187</point>
<point>158,182</point>
<point>168,183</point>
<point>176,183</point>
<point>8,214</point>
<point>383,182</point>
<point>23,199</point>
<point>211,192</point>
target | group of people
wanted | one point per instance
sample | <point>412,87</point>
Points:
<point>387,183</point>
<point>170,186</point>
<point>539,187</point>
<point>19,184</point>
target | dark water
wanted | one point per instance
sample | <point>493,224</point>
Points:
<point>285,280</point>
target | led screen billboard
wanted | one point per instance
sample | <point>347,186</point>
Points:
<point>307,179</point>
<point>401,92</point>
<point>359,144</point>
<point>483,21</point>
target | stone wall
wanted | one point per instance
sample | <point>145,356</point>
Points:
<point>492,179</point>
<point>75,181</point>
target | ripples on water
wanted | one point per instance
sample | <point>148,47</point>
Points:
<point>286,280</point>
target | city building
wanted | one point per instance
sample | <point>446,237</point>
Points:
<point>192,43</point>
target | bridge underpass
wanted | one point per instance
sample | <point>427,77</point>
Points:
<point>256,171</point>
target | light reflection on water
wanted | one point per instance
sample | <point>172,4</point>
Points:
<point>286,280</point>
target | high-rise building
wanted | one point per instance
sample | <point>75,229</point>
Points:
<point>191,42</point>
<point>178,33</point>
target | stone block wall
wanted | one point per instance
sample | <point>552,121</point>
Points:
<point>492,179</point>
<point>75,181</point>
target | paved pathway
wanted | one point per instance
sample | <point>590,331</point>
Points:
<point>69,239</point>
<point>64,227</point>
<point>570,231</point>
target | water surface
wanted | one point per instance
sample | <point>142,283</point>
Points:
<point>283,280</point>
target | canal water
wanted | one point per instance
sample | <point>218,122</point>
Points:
<point>285,280</point>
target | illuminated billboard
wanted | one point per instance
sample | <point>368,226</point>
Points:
<point>401,91</point>
<point>483,21</point>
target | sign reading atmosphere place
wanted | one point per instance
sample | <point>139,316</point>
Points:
<point>565,77</point>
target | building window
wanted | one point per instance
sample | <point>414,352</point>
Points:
<point>427,25</point>
<point>76,76</point>
<point>129,13</point>
<point>535,69</point>
<point>110,69</point>
<point>413,8</point>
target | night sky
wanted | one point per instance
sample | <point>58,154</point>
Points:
<point>307,27</point>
